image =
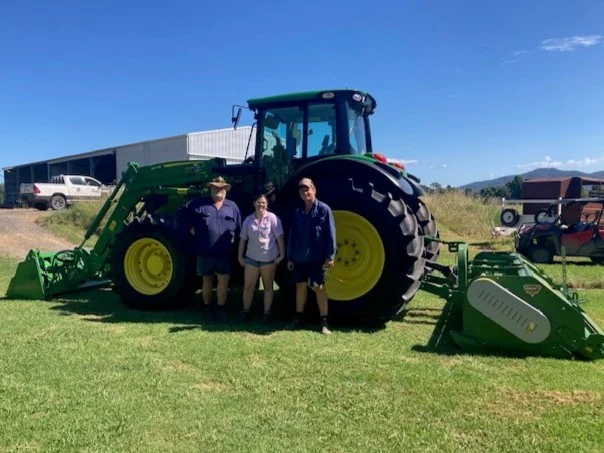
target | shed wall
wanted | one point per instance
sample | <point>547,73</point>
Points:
<point>151,152</point>
<point>228,143</point>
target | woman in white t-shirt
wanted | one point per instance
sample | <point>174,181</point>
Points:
<point>261,249</point>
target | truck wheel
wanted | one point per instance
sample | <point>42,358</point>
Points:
<point>509,217</point>
<point>540,254</point>
<point>378,263</point>
<point>150,271</point>
<point>58,202</point>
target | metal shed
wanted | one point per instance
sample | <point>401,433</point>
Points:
<point>107,164</point>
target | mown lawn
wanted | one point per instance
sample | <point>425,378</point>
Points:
<point>83,374</point>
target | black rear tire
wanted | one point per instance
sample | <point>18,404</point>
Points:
<point>180,289</point>
<point>427,225</point>
<point>400,233</point>
<point>509,217</point>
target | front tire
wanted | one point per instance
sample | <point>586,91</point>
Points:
<point>150,270</point>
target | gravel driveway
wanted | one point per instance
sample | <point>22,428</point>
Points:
<point>19,233</point>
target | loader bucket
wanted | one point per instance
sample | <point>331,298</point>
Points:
<point>28,281</point>
<point>45,275</point>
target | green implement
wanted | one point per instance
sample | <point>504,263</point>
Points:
<point>508,304</point>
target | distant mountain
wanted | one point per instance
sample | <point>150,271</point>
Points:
<point>537,173</point>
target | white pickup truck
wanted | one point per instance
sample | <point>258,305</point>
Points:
<point>61,191</point>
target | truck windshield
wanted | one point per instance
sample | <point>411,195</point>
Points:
<point>356,129</point>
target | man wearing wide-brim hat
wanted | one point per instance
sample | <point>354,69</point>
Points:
<point>219,182</point>
<point>215,224</point>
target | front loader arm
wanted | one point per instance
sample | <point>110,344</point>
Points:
<point>45,275</point>
<point>173,178</point>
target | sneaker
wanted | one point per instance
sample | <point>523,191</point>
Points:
<point>266,318</point>
<point>325,327</point>
<point>297,323</point>
<point>244,316</point>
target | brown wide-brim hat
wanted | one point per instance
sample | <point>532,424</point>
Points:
<point>220,182</point>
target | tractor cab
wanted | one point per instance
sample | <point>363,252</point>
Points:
<point>294,129</point>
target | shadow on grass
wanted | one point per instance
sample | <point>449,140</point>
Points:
<point>440,341</point>
<point>104,306</point>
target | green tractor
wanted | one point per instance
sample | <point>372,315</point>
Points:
<point>387,240</point>
<point>324,135</point>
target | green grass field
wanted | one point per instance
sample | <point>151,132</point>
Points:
<point>85,374</point>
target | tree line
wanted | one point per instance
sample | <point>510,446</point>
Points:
<point>511,189</point>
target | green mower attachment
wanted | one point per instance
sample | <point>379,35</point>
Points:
<point>510,305</point>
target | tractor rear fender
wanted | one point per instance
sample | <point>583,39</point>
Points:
<point>355,167</point>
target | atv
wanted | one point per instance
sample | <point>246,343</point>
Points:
<point>579,229</point>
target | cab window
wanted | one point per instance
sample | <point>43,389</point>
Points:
<point>321,130</point>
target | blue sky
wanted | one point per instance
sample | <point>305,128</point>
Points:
<point>466,90</point>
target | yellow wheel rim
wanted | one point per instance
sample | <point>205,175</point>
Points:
<point>359,258</point>
<point>148,266</point>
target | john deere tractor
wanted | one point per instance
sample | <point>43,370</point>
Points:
<point>387,240</point>
<point>323,135</point>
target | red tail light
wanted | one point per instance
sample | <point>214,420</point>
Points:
<point>36,190</point>
<point>399,165</point>
<point>380,157</point>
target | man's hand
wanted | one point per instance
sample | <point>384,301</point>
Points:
<point>328,264</point>
<point>290,265</point>
<point>241,261</point>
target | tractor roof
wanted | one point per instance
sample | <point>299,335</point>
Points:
<point>306,96</point>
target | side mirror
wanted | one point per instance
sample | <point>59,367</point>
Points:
<point>235,117</point>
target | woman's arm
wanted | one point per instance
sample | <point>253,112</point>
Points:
<point>241,254</point>
<point>281,245</point>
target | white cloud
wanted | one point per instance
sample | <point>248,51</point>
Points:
<point>569,44</point>
<point>547,162</point>
<point>438,165</point>
<point>517,55</point>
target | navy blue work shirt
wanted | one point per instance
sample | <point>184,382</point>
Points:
<point>312,236</point>
<point>216,230</point>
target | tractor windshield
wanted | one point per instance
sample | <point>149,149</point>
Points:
<point>282,130</point>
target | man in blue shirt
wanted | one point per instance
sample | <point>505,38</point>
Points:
<point>311,248</point>
<point>215,224</point>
